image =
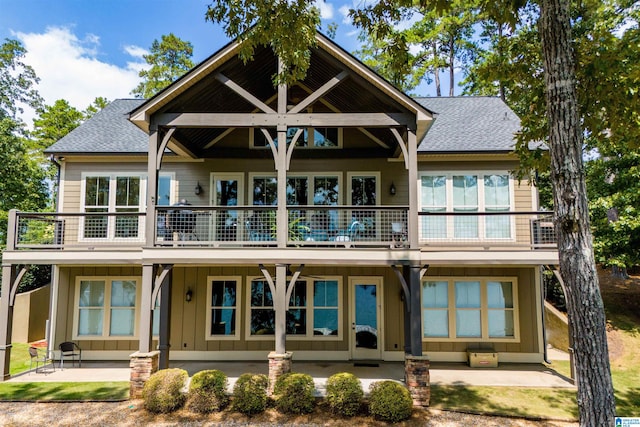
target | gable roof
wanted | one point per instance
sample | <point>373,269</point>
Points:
<point>462,124</point>
<point>469,124</point>
<point>109,131</point>
<point>202,90</point>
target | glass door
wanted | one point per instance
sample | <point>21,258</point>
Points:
<point>226,190</point>
<point>365,294</point>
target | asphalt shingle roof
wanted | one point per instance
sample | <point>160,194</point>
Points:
<point>108,131</point>
<point>462,124</point>
<point>469,123</point>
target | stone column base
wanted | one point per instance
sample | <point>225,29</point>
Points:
<point>142,365</point>
<point>279,364</point>
<point>416,376</point>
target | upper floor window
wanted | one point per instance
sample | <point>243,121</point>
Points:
<point>465,194</point>
<point>113,193</point>
<point>310,138</point>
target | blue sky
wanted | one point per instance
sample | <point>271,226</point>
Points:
<point>82,49</point>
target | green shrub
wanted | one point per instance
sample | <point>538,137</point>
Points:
<point>208,392</point>
<point>162,392</point>
<point>294,393</point>
<point>344,394</point>
<point>390,401</point>
<point>250,393</point>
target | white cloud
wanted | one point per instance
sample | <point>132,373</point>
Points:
<point>344,11</point>
<point>135,51</point>
<point>326,9</point>
<point>69,68</point>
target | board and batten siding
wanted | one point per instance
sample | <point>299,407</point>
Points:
<point>188,319</point>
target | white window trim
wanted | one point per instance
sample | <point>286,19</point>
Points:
<point>238,308</point>
<point>484,309</point>
<point>112,206</point>
<point>106,319</point>
<point>308,147</point>
<point>309,308</point>
<point>351,175</point>
<point>481,204</point>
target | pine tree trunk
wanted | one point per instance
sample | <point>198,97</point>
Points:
<point>596,403</point>
<point>436,71</point>
<point>451,66</point>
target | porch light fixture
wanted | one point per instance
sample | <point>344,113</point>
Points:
<point>198,189</point>
<point>392,189</point>
<point>189,295</point>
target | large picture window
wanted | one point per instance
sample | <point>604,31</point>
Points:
<point>106,307</point>
<point>113,193</point>
<point>313,309</point>
<point>466,309</point>
<point>463,195</point>
<point>223,297</point>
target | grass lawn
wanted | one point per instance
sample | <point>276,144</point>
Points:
<point>20,359</point>
<point>559,404</point>
<point>64,391</point>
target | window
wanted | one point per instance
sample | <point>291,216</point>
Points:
<point>310,138</point>
<point>467,309</point>
<point>113,193</point>
<point>106,307</point>
<point>223,295</point>
<point>262,315</point>
<point>364,192</point>
<point>466,194</point>
<point>313,309</point>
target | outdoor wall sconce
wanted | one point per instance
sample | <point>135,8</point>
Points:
<point>392,189</point>
<point>198,189</point>
<point>189,295</point>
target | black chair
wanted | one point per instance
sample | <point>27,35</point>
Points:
<point>69,349</point>
<point>40,357</point>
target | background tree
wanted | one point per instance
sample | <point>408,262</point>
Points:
<point>53,122</point>
<point>168,59</point>
<point>596,404</point>
<point>98,104</point>
<point>17,80</point>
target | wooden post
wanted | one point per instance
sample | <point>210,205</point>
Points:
<point>152,187</point>
<point>412,218</point>
<point>416,310</point>
<point>148,277</point>
<point>280,307</point>
<point>6,319</point>
<point>165,322</point>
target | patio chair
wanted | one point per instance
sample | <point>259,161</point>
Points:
<point>40,357</point>
<point>69,349</point>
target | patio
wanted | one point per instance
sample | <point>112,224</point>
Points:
<point>506,375</point>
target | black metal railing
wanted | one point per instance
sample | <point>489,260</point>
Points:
<point>256,226</point>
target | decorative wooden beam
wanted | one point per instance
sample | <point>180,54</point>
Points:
<point>292,146</point>
<point>402,146</point>
<point>268,278</point>
<point>218,138</point>
<point>247,120</point>
<point>292,282</point>
<point>163,146</point>
<point>244,93</point>
<point>322,90</point>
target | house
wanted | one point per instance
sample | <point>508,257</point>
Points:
<point>385,226</point>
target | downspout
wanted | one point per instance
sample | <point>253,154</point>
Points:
<point>58,167</point>
<point>53,287</point>
<point>543,297</point>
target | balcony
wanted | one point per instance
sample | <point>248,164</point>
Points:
<point>340,227</point>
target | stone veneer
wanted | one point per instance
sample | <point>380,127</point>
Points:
<point>416,375</point>
<point>142,365</point>
<point>279,364</point>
